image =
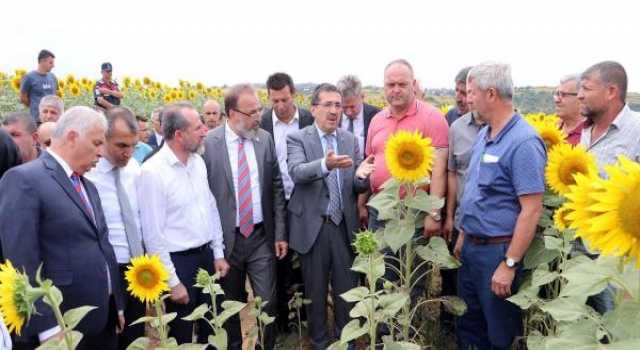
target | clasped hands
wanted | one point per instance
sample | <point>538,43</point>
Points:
<point>333,161</point>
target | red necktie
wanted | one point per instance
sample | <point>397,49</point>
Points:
<point>76,184</point>
<point>245,202</point>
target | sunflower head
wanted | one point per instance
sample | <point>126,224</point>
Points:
<point>550,134</point>
<point>71,79</point>
<point>147,278</point>
<point>366,243</point>
<point>15,83</point>
<point>192,95</point>
<point>409,156</point>
<point>152,94</point>
<point>61,84</point>
<point>199,86</point>
<point>444,109</point>
<point>564,162</point>
<point>17,297</point>
<point>560,218</point>
<point>167,98</point>
<point>146,81</point>
<point>174,94</point>
<point>74,90</point>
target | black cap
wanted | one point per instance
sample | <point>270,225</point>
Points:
<point>107,66</point>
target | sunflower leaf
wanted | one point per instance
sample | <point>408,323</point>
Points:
<point>396,240</point>
<point>144,319</point>
<point>219,340</point>
<point>141,343</point>
<point>538,254</point>
<point>352,331</point>
<point>197,313</point>
<point>423,202</point>
<point>73,316</point>
<point>53,297</point>
<point>623,321</point>
<point>355,294</point>
<point>438,253</point>
<point>565,309</point>
<point>401,346</point>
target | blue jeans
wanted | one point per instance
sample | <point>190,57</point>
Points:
<point>490,322</point>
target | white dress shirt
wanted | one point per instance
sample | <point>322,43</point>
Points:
<point>233,141</point>
<point>358,128</point>
<point>67,169</point>
<point>103,176</point>
<point>159,138</point>
<point>177,208</point>
<point>280,132</point>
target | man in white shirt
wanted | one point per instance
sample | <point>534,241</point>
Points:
<point>180,216</point>
<point>115,177</point>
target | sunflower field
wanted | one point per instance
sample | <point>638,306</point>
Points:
<point>142,95</point>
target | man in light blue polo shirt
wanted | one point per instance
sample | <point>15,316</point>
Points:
<point>499,211</point>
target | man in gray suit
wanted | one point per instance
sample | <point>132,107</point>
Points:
<point>245,179</point>
<point>326,169</point>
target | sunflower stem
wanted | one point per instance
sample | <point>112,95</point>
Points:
<point>59,318</point>
<point>161,327</point>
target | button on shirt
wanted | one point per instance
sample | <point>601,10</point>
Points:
<point>510,165</point>
<point>280,132</point>
<point>178,211</point>
<point>233,141</point>
<point>103,178</point>
<point>622,138</point>
<point>358,128</point>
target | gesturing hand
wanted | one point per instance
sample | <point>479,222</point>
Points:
<point>333,161</point>
<point>365,168</point>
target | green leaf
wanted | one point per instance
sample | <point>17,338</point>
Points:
<point>551,231</point>
<point>438,253</point>
<point>197,313</point>
<point>53,344</point>
<point>391,303</point>
<point>423,202</point>
<point>565,309</point>
<point>538,254</point>
<point>192,346</point>
<point>54,297</point>
<point>623,321</point>
<point>141,343</point>
<point>401,346</point>
<point>355,294</point>
<point>76,337</point>
<point>385,203</point>
<point>542,276</point>
<point>231,307</point>
<point>144,319</point>
<point>525,297</point>
<point>266,319</point>
<point>73,316</point>
<point>219,339</point>
<point>352,331</point>
<point>545,220</point>
<point>587,278</point>
<point>553,243</point>
<point>454,305</point>
<point>165,319</point>
<point>536,341</point>
<point>402,236</point>
<point>360,309</point>
<point>378,268</point>
<point>629,279</point>
<point>552,200</point>
<point>392,185</point>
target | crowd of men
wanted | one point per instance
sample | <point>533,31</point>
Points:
<point>235,190</point>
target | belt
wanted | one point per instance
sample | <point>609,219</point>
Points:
<point>489,240</point>
<point>326,218</point>
<point>255,227</point>
<point>203,248</point>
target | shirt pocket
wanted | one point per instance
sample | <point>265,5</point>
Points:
<point>488,173</point>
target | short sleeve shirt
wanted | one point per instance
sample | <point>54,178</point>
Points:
<point>501,170</point>
<point>111,85</point>
<point>420,116</point>
<point>37,86</point>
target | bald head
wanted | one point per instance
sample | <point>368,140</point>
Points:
<point>44,134</point>
<point>211,113</point>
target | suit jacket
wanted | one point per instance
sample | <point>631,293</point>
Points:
<point>43,221</point>
<point>369,112</point>
<point>310,196</point>
<point>220,178</point>
<point>266,122</point>
<point>153,141</point>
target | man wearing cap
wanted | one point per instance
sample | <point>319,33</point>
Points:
<point>106,92</point>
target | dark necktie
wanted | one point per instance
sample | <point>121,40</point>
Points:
<point>350,127</point>
<point>334,210</point>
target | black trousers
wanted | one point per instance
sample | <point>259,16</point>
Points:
<point>187,265</point>
<point>329,260</point>
<point>133,310</point>
<point>254,257</point>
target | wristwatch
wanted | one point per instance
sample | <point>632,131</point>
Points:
<point>435,215</point>
<point>511,263</point>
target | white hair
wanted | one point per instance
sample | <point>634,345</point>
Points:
<point>79,119</point>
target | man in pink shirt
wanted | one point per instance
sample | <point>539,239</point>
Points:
<point>567,104</point>
<point>406,112</point>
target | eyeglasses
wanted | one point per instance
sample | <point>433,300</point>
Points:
<point>212,113</point>
<point>562,94</point>
<point>330,104</point>
<point>255,114</point>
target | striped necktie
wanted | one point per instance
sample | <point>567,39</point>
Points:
<point>245,201</point>
<point>334,209</point>
<point>78,186</point>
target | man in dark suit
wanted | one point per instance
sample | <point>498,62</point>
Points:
<point>155,139</point>
<point>283,118</point>
<point>51,216</point>
<point>328,175</point>
<point>250,199</point>
<point>356,117</point>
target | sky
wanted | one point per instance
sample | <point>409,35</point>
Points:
<point>227,42</point>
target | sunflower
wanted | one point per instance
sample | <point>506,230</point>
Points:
<point>16,297</point>
<point>152,94</point>
<point>167,98</point>
<point>61,84</point>
<point>126,81</point>
<point>560,218</point>
<point>74,90</point>
<point>147,278</point>
<point>71,79</point>
<point>192,95</point>
<point>157,85</point>
<point>409,156</point>
<point>550,134</point>
<point>444,109</point>
<point>564,162</point>
<point>15,83</point>
<point>180,95</point>
<point>146,81</point>
<point>614,228</point>
<point>580,199</point>
<point>137,84</point>
<point>60,93</point>
<point>199,86</point>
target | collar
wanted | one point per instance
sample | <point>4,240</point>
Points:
<point>514,119</point>
<point>274,117</point>
<point>322,133</point>
<point>229,134</point>
<point>104,165</point>
<point>413,110</point>
<point>167,153</point>
<point>63,163</point>
<point>358,117</point>
<point>619,121</point>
